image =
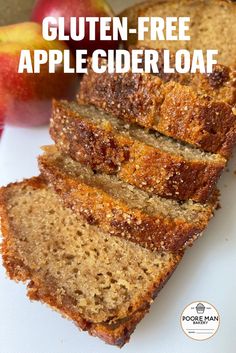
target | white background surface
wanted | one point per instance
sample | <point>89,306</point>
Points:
<point>207,273</point>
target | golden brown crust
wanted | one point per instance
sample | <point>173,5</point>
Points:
<point>116,334</point>
<point>154,170</point>
<point>114,216</point>
<point>15,268</point>
<point>219,85</point>
<point>171,108</point>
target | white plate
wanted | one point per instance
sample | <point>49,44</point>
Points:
<point>206,273</point>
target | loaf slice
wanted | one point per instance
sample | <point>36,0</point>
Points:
<point>123,210</point>
<point>104,284</point>
<point>212,25</point>
<point>147,160</point>
<point>171,108</point>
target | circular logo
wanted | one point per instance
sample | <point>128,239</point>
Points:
<point>200,320</point>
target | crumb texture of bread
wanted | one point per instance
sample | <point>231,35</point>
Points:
<point>145,159</point>
<point>121,209</point>
<point>212,25</point>
<point>105,284</point>
<point>171,108</point>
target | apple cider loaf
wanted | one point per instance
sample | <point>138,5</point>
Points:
<point>123,210</point>
<point>154,163</point>
<point>177,110</point>
<point>104,284</point>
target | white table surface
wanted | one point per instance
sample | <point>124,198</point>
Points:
<point>207,273</point>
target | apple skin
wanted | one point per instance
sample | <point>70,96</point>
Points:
<point>25,99</point>
<point>77,8</point>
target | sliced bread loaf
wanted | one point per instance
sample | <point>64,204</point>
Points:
<point>212,25</point>
<point>104,284</point>
<point>171,108</point>
<point>152,162</point>
<point>124,210</point>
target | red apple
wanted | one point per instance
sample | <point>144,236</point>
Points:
<point>76,8</point>
<point>1,122</point>
<point>25,99</point>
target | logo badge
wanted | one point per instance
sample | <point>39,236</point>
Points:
<point>200,320</point>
